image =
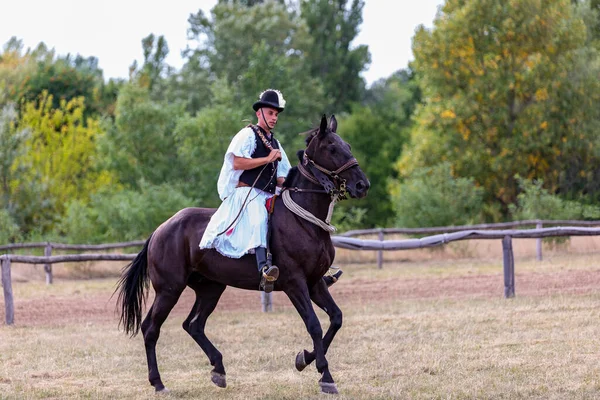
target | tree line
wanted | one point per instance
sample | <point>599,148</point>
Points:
<point>495,119</point>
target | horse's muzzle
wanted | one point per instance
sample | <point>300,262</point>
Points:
<point>360,189</point>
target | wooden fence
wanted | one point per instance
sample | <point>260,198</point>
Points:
<point>345,241</point>
<point>539,224</point>
<point>48,259</point>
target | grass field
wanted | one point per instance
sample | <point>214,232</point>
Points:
<point>432,329</point>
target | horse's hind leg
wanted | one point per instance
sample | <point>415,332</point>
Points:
<point>320,295</point>
<point>300,298</point>
<point>208,294</point>
<point>161,307</point>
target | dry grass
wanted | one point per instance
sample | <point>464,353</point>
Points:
<point>419,349</point>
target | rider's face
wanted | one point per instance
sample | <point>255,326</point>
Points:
<point>270,116</point>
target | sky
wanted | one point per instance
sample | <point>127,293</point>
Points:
<point>112,30</point>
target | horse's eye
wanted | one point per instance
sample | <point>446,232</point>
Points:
<point>332,149</point>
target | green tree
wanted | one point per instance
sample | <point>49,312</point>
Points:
<point>11,139</point>
<point>377,133</point>
<point>9,230</point>
<point>65,79</point>
<point>140,145</point>
<point>505,93</point>
<point>24,76</point>
<point>190,87</point>
<point>304,96</point>
<point>333,25</point>
<point>260,47</point>
<point>58,163</point>
<point>17,67</point>
<point>126,214</point>
<point>155,50</point>
<point>434,197</point>
<point>202,142</point>
<point>535,202</point>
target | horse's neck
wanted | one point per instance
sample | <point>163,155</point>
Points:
<point>316,203</point>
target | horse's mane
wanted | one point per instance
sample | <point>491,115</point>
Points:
<point>294,171</point>
<point>290,177</point>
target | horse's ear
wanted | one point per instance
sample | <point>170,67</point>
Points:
<point>333,124</point>
<point>323,128</point>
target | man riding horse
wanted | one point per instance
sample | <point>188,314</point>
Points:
<point>171,259</point>
<point>254,167</point>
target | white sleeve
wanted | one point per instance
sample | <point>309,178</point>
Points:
<point>283,166</point>
<point>243,144</point>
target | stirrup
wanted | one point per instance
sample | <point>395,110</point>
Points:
<point>268,278</point>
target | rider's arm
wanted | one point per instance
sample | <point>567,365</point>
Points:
<point>243,163</point>
<point>283,167</point>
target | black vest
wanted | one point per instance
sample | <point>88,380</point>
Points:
<point>249,176</point>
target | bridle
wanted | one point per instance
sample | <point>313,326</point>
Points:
<point>331,182</point>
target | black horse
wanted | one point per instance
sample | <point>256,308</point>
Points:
<point>302,250</point>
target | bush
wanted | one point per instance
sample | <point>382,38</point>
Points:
<point>122,216</point>
<point>433,197</point>
<point>347,219</point>
<point>9,230</point>
<point>535,202</point>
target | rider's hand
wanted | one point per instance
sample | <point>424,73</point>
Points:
<point>274,155</point>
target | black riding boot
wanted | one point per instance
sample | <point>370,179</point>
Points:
<point>269,273</point>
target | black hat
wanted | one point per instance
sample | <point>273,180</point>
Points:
<point>270,98</point>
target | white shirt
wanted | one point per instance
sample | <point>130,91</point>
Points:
<point>243,144</point>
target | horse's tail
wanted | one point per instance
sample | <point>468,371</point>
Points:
<point>131,287</point>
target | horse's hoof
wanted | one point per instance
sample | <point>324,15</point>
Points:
<point>218,379</point>
<point>300,361</point>
<point>164,390</point>
<point>328,388</point>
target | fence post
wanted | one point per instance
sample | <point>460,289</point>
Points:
<point>380,252</point>
<point>509,267</point>
<point>539,243</point>
<point>9,306</point>
<point>48,267</point>
<point>266,299</point>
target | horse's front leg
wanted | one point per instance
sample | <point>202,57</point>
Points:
<point>300,298</point>
<point>319,293</point>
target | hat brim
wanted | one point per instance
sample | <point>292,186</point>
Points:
<point>260,104</point>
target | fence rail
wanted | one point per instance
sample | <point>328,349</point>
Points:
<point>436,240</point>
<point>48,246</point>
<point>457,228</point>
<point>62,246</point>
<point>538,223</point>
<point>342,241</point>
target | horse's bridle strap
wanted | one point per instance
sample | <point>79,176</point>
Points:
<point>351,163</point>
<point>307,174</point>
<point>300,190</point>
